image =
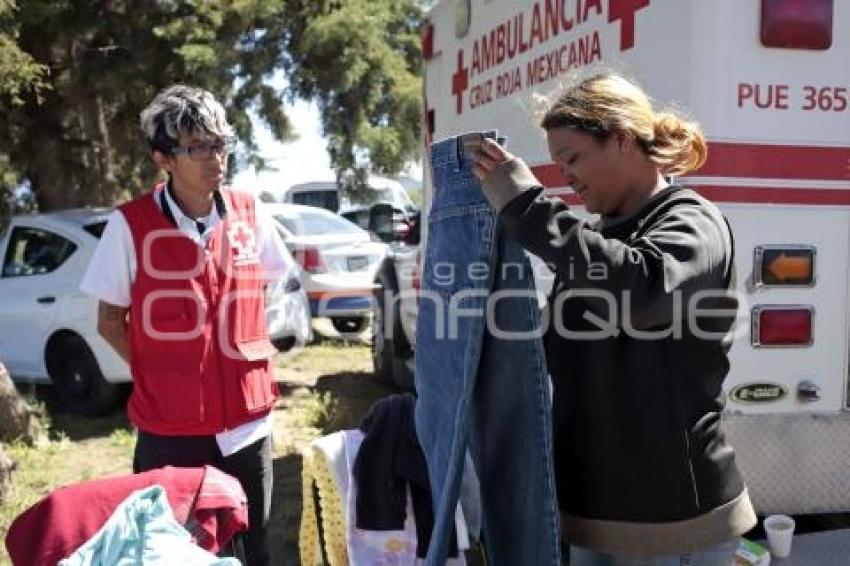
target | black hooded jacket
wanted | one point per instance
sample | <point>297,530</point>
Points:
<point>641,315</point>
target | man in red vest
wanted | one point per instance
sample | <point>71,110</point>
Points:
<point>180,274</point>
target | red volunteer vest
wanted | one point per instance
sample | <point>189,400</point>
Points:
<point>198,339</point>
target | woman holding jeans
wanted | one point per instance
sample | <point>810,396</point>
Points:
<point>642,314</point>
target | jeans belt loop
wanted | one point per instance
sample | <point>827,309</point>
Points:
<point>457,154</point>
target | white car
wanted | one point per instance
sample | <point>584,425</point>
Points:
<point>339,262</point>
<point>48,327</point>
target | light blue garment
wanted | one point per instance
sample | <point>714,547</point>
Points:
<point>142,530</point>
<point>481,373</point>
<point>722,554</point>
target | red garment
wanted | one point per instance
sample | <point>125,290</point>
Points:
<point>198,339</point>
<point>221,510</point>
<point>65,519</point>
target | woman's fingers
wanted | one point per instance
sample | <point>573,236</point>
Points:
<point>483,160</point>
<point>495,151</point>
<point>488,157</point>
<point>482,165</point>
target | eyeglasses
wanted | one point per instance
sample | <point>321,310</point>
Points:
<point>204,151</point>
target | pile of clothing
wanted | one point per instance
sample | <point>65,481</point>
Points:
<point>367,497</point>
<point>165,516</point>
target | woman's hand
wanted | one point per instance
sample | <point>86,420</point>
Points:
<point>503,176</point>
<point>488,157</point>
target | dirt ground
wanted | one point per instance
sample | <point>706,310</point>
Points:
<point>324,387</point>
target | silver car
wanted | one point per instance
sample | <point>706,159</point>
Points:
<point>339,262</point>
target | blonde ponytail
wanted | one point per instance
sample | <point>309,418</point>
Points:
<point>609,103</point>
<point>678,147</point>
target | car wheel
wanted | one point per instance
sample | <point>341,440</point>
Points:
<point>78,379</point>
<point>390,366</point>
<point>350,324</point>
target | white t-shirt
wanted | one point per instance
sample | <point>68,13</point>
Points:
<point>113,269</point>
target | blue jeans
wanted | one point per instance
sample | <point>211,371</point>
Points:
<point>483,386</point>
<point>719,555</point>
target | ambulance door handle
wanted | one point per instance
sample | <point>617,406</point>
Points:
<point>808,391</point>
<point>46,300</point>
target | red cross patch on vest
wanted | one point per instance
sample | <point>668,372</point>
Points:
<point>243,242</point>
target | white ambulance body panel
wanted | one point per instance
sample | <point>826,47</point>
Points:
<point>778,125</point>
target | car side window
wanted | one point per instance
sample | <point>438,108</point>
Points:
<point>33,251</point>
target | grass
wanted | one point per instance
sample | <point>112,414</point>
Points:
<point>316,410</point>
<point>324,387</point>
<point>54,463</point>
<point>123,438</point>
<point>326,357</point>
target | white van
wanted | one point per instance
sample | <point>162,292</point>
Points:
<point>322,194</point>
<point>327,194</point>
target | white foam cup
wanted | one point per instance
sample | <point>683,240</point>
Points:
<point>780,532</point>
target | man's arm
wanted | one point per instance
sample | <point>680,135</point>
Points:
<point>109,278</point>
<point>112,325</point>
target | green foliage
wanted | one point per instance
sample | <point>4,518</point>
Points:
<point>78,142</point>
<point>18,70</point>
<point>20,75</point>
<point>74,76</point>
<point>361,60</point>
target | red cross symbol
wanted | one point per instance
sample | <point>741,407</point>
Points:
<point>241,237</point>
<point>624,10</point>
<point>460,81</point>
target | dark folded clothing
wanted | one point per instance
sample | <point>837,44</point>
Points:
<point>389,461</point>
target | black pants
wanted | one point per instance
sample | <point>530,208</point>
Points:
<point>252,466</point>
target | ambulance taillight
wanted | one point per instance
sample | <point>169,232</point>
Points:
<point>782,326</point>
<point>797,24</point>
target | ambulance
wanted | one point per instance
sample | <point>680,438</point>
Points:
<point>769,81</point>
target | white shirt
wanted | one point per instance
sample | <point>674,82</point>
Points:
<point>113,268</point>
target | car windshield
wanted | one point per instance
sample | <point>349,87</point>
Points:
<point>316,223</point>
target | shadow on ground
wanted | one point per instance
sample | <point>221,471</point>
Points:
<point>351,394</point>
<point>285,520</point>
<point>76,427</point>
